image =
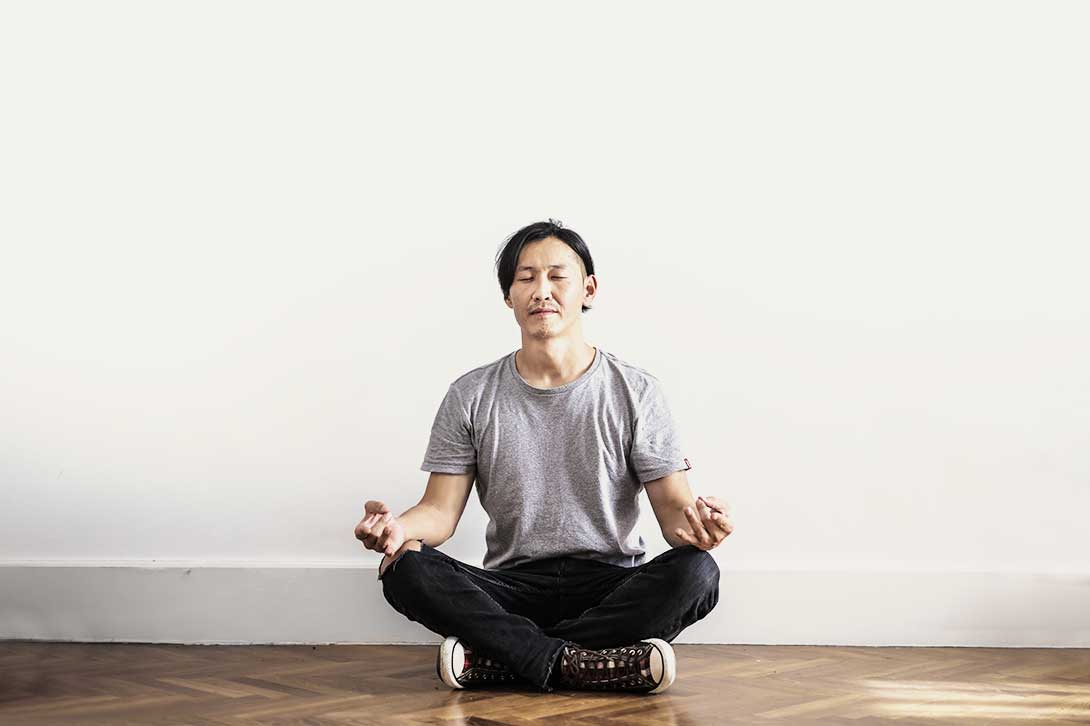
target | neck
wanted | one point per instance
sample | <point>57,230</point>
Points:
<point>554,361</point>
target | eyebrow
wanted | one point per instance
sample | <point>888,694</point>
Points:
<point>529,267</point>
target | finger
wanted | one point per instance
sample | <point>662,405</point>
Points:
<point>686,537</point>
<point>368,525</point>
<point>703,516</point>
<point>717,520</point>
<point>395,535</point>
<point>365,525</point>
<point>723,523</point>
<point>716,504</point>
<point>705,511</point>
<point>699,532</point>
<point>375,506</point>
<point>713,524</point>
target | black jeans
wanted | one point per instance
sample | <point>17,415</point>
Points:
<point>522,616</point>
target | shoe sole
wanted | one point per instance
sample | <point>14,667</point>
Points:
<point>669,664</point>
<point>444,663</point>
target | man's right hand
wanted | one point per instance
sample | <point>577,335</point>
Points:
<point>380,530</point>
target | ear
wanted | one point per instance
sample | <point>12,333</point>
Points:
<point>590,288</point>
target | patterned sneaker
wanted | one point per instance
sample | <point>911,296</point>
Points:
<point>458,667</point>
<point>648,666</point>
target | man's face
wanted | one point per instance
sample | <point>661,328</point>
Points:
<point>549,275</point>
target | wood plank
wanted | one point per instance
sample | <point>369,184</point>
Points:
<point>86,683</point>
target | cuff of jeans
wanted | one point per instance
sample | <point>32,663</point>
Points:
<point>548,686</point>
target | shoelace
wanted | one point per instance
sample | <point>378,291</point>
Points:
<point>608,668</point>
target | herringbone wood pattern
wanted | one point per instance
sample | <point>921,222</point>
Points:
<point>59,683</point>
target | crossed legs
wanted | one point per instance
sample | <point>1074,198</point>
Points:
<point>505,614</point>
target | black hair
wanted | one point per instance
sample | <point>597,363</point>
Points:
<point>508,256</point>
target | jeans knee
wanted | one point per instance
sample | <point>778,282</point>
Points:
<point>389,561</point>
<point>400,582</point>
<point>700,573</point>
<point>387,592</point>
<point>400,573</point>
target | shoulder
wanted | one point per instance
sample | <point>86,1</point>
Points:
<point>640,381</point>
<point>475,379</point>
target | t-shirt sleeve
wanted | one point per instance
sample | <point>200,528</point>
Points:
<point>450,447</point>
<point>656,444</point>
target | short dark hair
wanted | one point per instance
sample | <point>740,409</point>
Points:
<point>508,256</point>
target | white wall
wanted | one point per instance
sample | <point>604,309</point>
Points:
<point>246,247</point>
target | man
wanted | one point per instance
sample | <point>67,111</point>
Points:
<point>560,437</point>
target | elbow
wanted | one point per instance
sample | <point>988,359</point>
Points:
<point>447,534</point>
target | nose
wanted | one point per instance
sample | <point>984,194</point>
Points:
<point>541,291</point>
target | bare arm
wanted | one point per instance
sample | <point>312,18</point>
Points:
<point>704,526</point>
<point>669,496</point>
<point>435,519</point>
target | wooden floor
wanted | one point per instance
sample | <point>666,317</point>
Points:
<point>59,683</point>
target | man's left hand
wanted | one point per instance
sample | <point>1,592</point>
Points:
<point>710,523</point>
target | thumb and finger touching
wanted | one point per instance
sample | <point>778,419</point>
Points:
<point>380,529</point>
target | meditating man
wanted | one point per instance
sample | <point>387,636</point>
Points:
<point>560,437</point>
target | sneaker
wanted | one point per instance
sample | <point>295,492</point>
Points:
<point>648,666</point>
<point>459,667</point>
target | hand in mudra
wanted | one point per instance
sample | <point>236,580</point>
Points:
<point>380,530</point>
<point>710,522</point>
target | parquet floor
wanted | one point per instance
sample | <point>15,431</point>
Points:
<point>64,683</point>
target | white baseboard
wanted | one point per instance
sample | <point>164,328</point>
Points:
<point>294,604</point>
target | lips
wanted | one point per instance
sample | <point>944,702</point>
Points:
<point>543,312</point>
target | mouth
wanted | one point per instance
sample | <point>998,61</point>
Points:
<point>543,312</point>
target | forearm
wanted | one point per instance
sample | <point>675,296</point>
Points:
<point>673,519</point>
<point>425,523</point>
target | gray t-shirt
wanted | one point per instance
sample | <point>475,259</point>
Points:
<point>559,470</point>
